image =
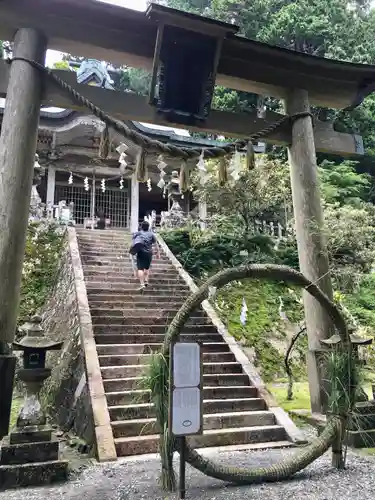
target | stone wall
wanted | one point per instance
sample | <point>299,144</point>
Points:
<point>65,396</point>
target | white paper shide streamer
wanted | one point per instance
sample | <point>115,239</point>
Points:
<point>103,185</point>
<point>235,166</point>
<point>70,180</point>
<point>282,312</point>
<point>86,184</point>
<point>243,315</point>
<point>121,150</point>
<point>161,165</point>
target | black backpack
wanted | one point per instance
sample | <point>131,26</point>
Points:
<point>137,244</point>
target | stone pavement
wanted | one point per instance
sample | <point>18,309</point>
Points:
<point>136,479</point>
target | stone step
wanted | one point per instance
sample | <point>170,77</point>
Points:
<point>157,276</point>
<point>146,338</point>
<point>100,264</point>
<point>173,304</point>
<point>127,269</point>
<point>111,253</point>
<point>130,292</point>
<point>161,313</point>
<point>144,320</point>
<point>138,370</point>
<point>144,359</point>
<point>126,330</point>
<point>33,475</point>
<point>147,426</point>
<point>137,349</point>
<point>210,406</point>
<point>134,396</point>
<point>134,300</point>
<point>126,446</point>
<point>131,287</point>
<point>155,280</point>
<point>102,260</point>
<point>209,380</point>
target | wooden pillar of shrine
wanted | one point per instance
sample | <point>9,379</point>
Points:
<point>312,249</point>
<point>134,203</point>
<point>17,155</point>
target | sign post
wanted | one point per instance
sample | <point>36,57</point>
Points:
<point>186,398</point>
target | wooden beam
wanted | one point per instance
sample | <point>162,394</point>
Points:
<point>126,106</point>
<point>102,31</point>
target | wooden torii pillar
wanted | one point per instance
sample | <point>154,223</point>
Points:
<point>17,155</point>
<point>312,247</point>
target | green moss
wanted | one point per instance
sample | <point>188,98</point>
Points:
<point>16,407</point>
<point>301,396</point>
<point>263,322</point>
<point>42,258</point>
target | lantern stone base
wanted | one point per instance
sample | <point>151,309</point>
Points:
<point>30,457</point>
<point>361,428</point>
<point>38,474</point>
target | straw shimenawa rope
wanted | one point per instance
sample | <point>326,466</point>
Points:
<point>328,437</point>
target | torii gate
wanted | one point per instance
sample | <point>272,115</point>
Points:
<point>148,40</point>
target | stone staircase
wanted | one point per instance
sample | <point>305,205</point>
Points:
<point>128,325</point>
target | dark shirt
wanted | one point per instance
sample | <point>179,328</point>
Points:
<point>101,223</point>
<point>148,238</point>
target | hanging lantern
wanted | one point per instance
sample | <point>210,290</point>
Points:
<point>223,171</point>
<point>122,183</point>
<point>149,186</point>
<point>86,184</point>
<point>104,144</point>
<point>70,180</point>
<point>250,156</point>
<point>184,177</point>
<point>141,168</point>
<point>103,185</point>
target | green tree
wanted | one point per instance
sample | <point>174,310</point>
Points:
<point>342,185</point>
<point>135,79</point>
<point>62,65</point>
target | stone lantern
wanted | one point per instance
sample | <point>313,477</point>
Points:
<point>34,372</point>
<point>29,455</point>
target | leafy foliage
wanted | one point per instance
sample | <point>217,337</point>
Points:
<point>341,183</point>
<point>263,192</point>
<point>42,254</point>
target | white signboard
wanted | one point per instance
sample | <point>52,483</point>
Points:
<point>186,407</point>
<point>186,397</point>
<point>186,365</point>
